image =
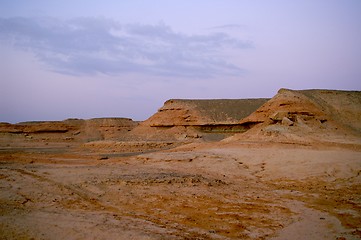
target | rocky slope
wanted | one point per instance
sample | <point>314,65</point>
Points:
<point>68,130</point>
<point>181,112</point>
<point>181,119</point>
<point>307,115</point>
<point>301,116</point>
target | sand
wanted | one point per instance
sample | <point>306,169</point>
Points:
<point>198,191</point>
<point>274,181</point>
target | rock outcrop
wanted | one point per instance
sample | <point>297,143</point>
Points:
<point>318,115</point>
<point>291,116</point>
<point>181,119</point>
<point>182,112</point>
<point>71,129</point>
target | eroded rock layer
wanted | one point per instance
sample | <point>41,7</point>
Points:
<point>70,129</point>
<point>318,115</point>
<point>181,112</point>
<point>181,119</point>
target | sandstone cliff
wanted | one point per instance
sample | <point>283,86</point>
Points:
<point>181,112</point>
<point>69,130</point>
<point>317,115</point>
<point>181,119</point>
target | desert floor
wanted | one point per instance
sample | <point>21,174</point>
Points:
<point>243,190</point>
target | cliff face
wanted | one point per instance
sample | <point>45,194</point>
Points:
<point>287,103</point>
<point>327,115</point>
<point>180,112</point>
<point>308,114</point>
<point>343,107</point>
<point>108,128</point>
<point>71,129</point>
<point>181,119</point>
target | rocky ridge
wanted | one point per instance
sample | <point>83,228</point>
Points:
<point>70,129</point>
<point>291,115</point>
<point>307,115</point>
<point>189,120</point>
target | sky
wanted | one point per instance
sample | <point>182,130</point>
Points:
<point>110,58</point>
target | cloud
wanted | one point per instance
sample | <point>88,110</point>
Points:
<point>230,26</point>
<point>88,46</point>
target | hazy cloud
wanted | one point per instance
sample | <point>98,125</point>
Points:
<point>230,26</point>
<point>86,46</point>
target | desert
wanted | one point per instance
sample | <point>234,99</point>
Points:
<point>288,167</point>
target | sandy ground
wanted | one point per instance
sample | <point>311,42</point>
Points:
<point>197,191</point>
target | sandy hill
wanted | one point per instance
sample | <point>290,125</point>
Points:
<point>317,115</point>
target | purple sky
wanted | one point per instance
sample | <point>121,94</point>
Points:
<point>86,59</point>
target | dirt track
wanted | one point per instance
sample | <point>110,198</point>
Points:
<point>198,191</point>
